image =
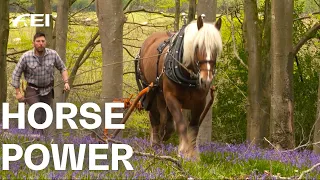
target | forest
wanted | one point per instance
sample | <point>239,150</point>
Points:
<point>264,120</point>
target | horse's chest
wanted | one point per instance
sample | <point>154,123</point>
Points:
<point>189,98</point>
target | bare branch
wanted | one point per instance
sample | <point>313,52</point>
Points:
<point>168,158</point>
<point>147,11</point>
<point>129,45</point>
<point>307,36</point>
<point>309,170</point>
<point>132,39</point>
<point>89,52</point>
<point>235,51</point>
<point>128,52</point>
<point>317,2</point>
<point>12,60</point>
<point>87,84</point>
<point>71,2</point>
<point>80,10</point>
<point>147,25</point>
<point>306,17</point>
<point>18,52</point>
<point>85,49</point>
<point>80,60</point>
<point>127,5</point>
<point>271,144</point>
<point>129,72</point>
<point>22,8</point>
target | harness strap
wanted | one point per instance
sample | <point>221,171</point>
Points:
<point>160,49</point>
<point>137,71</point>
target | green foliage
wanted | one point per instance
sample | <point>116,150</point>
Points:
<point>311,6</point>
<point>229,109</point>
<point>80,4</point>
<point>305,93</point>
<point>138,125</point>
<point>158,5</point>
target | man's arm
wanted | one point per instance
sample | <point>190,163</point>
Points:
<point>65,80</point>
<point>16,76</point>
<point>65,76</point>
<point>63,70</point>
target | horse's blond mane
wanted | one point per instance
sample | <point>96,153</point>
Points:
<point>207,38</point>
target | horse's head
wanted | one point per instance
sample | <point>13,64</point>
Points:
<point>204,46</point>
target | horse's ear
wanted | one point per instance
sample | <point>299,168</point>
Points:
<point>200,22</point>
<point>218,24</point>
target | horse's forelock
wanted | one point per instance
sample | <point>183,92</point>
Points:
<point>208,38</point>
<point>189,36</point>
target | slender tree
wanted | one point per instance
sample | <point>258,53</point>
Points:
<point>207,7</point>
<point>111,20</point>
<point>192,10</point>
<point>61,42</point>
<point>253,45</point>
<point>4,34</point>
<point>177,15</point>
<point>265,72</point>
<point>281,113</point>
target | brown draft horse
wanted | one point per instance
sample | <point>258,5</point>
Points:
<point>201,45</point>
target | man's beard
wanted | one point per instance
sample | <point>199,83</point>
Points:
<point>40,49</point>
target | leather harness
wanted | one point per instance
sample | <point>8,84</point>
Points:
<point>173,63</point>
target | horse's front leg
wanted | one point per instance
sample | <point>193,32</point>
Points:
<point>193,129</point>
<point>181,124</point>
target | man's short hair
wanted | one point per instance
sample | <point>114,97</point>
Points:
<point>38,34</point>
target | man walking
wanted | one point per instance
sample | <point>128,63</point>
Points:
<point>37,65</point>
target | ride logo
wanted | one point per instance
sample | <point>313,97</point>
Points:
<point>68,150</point>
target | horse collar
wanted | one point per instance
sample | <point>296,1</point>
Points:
<point>173,63</point>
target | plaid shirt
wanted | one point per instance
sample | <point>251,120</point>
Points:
<point>39,72</point>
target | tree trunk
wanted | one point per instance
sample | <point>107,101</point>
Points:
<point>61,44</point>
<point>253,48</point>
<point>207,7</point>
<point>281,114</point>
<point>265,72</point>
<point>54,30</point>
<point>316,135</point>
<point>192,10</point>
<point>44,7</point>
<point>4,34</point>
<point>289,71</point>
<point>177,16</point>
<point>111,21</point>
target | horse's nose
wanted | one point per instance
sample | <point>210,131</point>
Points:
<point>205,83</point>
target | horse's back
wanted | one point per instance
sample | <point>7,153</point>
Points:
<point>149,56</point>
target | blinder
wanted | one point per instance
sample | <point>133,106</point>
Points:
<point>200,62</point>
<point>211,61</point>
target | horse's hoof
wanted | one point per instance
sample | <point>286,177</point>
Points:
<point>189,157</point>
<point>156,145</point>
<point>192,155</point>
